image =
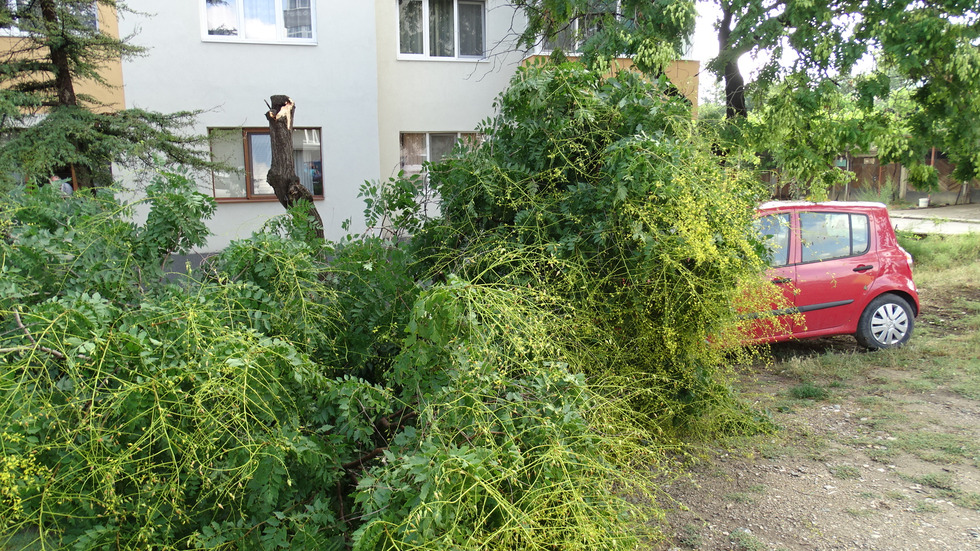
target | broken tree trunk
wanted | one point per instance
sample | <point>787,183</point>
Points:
<point>282,175</point>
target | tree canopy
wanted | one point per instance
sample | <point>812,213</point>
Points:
<point>819,54</point>
<point>47,126</point>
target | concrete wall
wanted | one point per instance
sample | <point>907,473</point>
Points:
<point>333,83</point>
<point>433,95</point>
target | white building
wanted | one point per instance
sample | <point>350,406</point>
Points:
<point>379,87</point>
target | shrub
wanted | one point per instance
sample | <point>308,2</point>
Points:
<point>595,192</point>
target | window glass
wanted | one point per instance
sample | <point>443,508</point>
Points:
<point>441,145</point>
<point>442,20</point>
<point>773,230</point>
<point>563,40</point>
<point>860,234</point>
<point>825,235</point>
<point>260,161</point>
<point>420,147</point>
<point>571,38</point>
<point>306,159</point>
<point>298,19</point>
<point>222,18</point>
<point>227,148</point>
<point>413,152</point>
<point>260,19</point>
<point>471,29</point>
<point>410,26</point>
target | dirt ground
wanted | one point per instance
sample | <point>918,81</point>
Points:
<point>883,463</point>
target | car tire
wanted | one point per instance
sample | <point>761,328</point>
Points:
<point>887,322</point>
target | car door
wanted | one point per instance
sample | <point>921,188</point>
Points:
<point>836,268</point>
<point>777,316</point>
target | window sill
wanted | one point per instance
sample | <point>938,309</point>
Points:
<point>405,57</point>
<point>214,40</point>
<point>263,199</point>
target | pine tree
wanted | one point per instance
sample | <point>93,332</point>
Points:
<point>48,128</point>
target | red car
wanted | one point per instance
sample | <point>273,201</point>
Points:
<point>841,271</point>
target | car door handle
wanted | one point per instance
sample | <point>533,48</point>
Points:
<point>863,268</point>
<point>782,279</point>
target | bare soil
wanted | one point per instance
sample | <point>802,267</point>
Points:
<point>843,472</point>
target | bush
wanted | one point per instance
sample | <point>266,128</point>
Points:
<point>595,192</point>
<point>512,378</point>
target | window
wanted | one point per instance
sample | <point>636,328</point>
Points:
<point>249,152</point>
<point>266,21</point>
<point>773,230</point>
<point>571,38</point>
<point>827,235</point>
<point>422,147</point>
<point>441,28</point>
<point>19,17</point>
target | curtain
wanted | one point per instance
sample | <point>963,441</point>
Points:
<point>442,39</point>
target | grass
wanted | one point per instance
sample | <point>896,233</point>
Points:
<point>745,541</point>
<point>845,472</point>
<point>809,391</point>
<point>941,252</point>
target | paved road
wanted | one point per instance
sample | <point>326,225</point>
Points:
<point>951,219</point>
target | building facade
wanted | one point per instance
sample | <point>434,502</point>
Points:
<point>380,87</point>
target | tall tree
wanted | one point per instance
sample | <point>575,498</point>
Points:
<point>850,47</point>
<point>48,126</point>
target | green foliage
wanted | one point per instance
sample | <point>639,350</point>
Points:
<point>594,193</point>
<point>512,378</point>
<point>138,412</point>
<point>652,33</point>
<point>512,450</point>
<point>396,209</point>
<point>830,75</point>
<point>45,126</point>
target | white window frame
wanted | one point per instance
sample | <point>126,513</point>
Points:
<point>426,54</point>
<point>420,168</point>
<point>281,36</point>
<point>16,32</point>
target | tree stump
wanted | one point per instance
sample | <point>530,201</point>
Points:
<point>282,175</point>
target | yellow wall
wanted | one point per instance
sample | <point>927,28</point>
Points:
<point>682,73</point>
<point>112,96</point>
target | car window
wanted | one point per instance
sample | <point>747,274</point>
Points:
<point>773,230</point>
<point>828,235</point>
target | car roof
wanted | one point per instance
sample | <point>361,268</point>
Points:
<point>831,205</point>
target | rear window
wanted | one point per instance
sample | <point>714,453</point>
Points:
<point>828,235</point>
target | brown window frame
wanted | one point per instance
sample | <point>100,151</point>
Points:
<point>246,146</point>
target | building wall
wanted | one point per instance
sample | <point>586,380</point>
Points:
<point>333,83</point>
<point>438,95</point>
<point>352,83</point>
<point>112,94</point>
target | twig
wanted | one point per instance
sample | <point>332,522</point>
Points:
<point>51,351</point>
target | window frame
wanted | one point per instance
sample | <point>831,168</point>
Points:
<point>810,252</point>
<point>403,166</point>
<point>282,37</point>
<point>246,170</point>
<point>426,54</point>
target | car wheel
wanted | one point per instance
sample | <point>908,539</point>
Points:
<point>886,323</point>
